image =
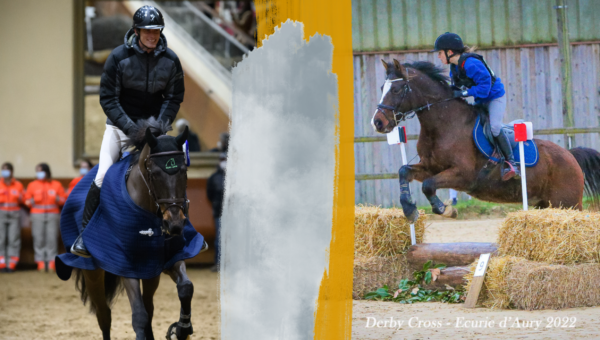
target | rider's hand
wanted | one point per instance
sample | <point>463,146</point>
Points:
<point>459,94</point>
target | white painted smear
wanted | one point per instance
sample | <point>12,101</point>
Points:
<point>278,209</point>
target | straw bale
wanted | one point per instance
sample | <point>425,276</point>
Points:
<point>534,285</point>
<point>513,282</point>
<point>556,236</point>
<point>384,232</point>
<point>372,272</point>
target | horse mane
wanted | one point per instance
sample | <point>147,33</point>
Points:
<point>436,73</point>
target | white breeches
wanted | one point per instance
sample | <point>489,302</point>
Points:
<point>112,143</point>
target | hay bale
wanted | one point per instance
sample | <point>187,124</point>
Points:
<point>384,232</point>
<point>534,285</point>
<point>513,282</point>
<point>372,272</point>
<point>494,293</point>
<point>556,236</point>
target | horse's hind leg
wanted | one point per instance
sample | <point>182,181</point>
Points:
<point>149,288</point>
<point>139,316</point>
<point>185,290</point>
<point>94,285</point>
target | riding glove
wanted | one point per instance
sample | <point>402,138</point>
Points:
<point>459,94</point>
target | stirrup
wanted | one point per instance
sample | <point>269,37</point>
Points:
<point>80,252</point>
<point>509,173</point>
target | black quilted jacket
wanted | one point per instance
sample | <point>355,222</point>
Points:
<point>137,85</point>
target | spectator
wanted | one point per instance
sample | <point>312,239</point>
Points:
<point>454,195</point>
<point>222,144</point>
<point>84,167</point>
<point>11,196</point>
<point>215,189</point>
<point>193,141</point>
<point>44,196</point>
<point>245,19</point>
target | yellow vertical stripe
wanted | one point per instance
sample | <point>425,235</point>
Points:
<point>333,317</point>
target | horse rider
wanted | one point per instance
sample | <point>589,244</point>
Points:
<point>471,76</point>
<point>142,78</point>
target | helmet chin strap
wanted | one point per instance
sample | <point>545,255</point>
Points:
<point>449,57</point>
<point>140,40</point>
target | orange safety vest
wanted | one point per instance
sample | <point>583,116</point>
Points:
<point>73,184</point>
<point>44,196</point>
<point>11,195</point>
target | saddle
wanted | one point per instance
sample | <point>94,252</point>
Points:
<point>486,143</point>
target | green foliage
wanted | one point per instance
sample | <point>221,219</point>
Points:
<point>410,291</point>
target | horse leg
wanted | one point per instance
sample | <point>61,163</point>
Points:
<point>185,290</point>
<point>149,288</point>
<point>94,285</point>
<point>446,179</point>
<point>407,174</point>
<point>139,316</point>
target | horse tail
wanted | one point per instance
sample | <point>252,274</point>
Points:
<point>113,286</point>
<point>589,161</point>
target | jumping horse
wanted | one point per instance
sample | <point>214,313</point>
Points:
<point>161,193</point>
<point>450,159</point>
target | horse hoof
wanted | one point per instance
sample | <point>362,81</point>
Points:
<point>450,211</point>
<point>413,217</point>
<point>175,332</point>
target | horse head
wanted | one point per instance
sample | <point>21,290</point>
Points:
<point>164,163</point>
<point>408,89</point>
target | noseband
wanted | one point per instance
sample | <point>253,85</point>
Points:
<point>181,203</point>
<point>402,116</point>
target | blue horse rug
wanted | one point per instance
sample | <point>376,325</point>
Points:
<point>487,148</point>
<point>122,238</point>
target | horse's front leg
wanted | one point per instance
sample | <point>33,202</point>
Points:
<point>407,174</point>
<point>150,286</point>
<point>450,178</point>
<point>139,316</point>
<point>185,290</point>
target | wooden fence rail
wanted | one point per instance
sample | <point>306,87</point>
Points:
<point>540,132</point>
<point>394,175</point>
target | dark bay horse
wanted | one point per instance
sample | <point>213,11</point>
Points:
<point>450,159</point>
<point>150,187</point>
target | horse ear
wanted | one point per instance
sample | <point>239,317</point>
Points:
<point>182,136</point>
<point>385,65</point>
<point>399,67</point>
<point>143,155</point>
<point>150,139</point>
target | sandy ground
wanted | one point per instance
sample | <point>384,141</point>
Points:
<point>452,321</point>
<point>39,306</point>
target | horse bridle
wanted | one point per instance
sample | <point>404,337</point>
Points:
<point>180,203</point>
<point>411,113</point>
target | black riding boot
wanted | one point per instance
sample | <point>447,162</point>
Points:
<point>91,204</point>
<point>512,170</point>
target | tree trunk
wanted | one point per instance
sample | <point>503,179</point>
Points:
<point>449,254</point>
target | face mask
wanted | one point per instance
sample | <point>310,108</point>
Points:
<point>40,175</point>
<point>223,164</point>
<point>6,173</point>
<point>84,171</point>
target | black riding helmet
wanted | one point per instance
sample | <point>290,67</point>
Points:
<point>448,41</point>
<point>148,17</point>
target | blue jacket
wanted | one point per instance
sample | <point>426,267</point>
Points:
<point>483,91</point>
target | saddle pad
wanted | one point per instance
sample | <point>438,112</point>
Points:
<point>487,149</point>
<point>113,235</point>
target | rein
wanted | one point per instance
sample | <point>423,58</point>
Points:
<point>411,113</point>
<point>180,203</point>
